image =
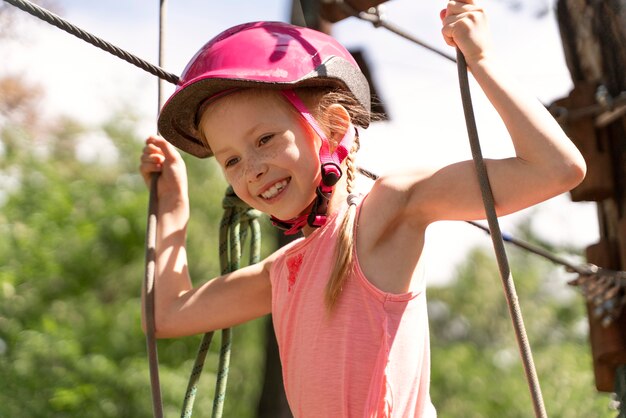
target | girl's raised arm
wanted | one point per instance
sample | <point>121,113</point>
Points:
<point>546,162</point>
<point>179,308</point>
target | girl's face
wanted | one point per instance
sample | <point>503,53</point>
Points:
<point>269,155</point>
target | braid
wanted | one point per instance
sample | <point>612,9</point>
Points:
<point>351,172</point>
<point>344,251</point>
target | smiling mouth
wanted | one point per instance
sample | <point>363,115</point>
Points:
<point>275,189</point>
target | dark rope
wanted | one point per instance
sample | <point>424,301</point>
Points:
<point>573,268</point>
<point>60,23</point>
<point>604,289</point>
<point>498,242</point>
<point>150,275</point>
<point>378,20</point>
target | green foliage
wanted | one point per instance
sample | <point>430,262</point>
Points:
<point>71,268</point>
<point>477,370</point>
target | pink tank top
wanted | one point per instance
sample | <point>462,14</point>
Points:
<point>369,357</point>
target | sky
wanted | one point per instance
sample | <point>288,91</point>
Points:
<point>419,88</point>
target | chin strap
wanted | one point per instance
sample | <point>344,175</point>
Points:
<point>330,166</point>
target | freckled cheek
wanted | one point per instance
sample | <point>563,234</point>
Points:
<point>271,155</point>
<point>235,179</point>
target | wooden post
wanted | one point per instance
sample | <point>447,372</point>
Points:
<point>594,43</point>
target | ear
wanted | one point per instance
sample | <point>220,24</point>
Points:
<point>338,122</point>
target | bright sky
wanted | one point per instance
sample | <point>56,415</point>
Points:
<point>419,88</point>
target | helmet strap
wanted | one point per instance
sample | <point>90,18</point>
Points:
<point>330,167</point>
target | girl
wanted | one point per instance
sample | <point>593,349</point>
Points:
<point>277,106</point>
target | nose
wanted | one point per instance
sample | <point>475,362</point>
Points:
<point>255,170</point>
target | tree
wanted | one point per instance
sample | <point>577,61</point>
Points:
<point>476,367</point>
<point>71,263</point>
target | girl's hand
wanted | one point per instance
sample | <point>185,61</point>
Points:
<point>159,156</point>
<point>465,26</point>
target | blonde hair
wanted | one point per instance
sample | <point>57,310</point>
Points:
<point>344,251</point>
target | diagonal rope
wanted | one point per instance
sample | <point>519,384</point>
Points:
<point>498,242</point>
<point>60,23</point>
<point>376,19</point>
<point>571,267</point>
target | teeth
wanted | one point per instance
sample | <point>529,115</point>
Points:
<point>273,191</point>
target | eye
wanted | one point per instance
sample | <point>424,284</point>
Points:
<point>231,162</point>
<point>265,139</point>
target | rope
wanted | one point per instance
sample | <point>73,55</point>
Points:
<point>148,281</point>
<point>237,220</point>
<point>498,242</point>
<point>151,344</point>
<point>603,288</point>
<point>377,19</point>
<point>60,23</point>
<point>585,269</point>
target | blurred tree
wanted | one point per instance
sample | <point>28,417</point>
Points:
<point>477,371</point>
<point>71,265</point>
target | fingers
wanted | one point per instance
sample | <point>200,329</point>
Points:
<point>152,157</point>
<point>167,149</point>
<point>464,26</point>
<point>155,154</point>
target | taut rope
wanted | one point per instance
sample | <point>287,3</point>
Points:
<point>151,238</point>
<point>62,24</point>
<point>498,242</point>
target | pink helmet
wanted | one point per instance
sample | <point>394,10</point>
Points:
<point>271,55</point>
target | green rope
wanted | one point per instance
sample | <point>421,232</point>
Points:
<point>237,221</point>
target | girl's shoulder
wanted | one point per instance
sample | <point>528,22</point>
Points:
<point>390,239</point>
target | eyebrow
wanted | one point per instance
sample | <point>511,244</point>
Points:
<point>248,133</point>
<point>220,150</point>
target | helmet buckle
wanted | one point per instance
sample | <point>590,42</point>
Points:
<point>331,173</point>
<point>315,220</point>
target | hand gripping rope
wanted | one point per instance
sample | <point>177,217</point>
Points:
<point>236,220</point>
<point>373,16</point>
<point>235,213</point>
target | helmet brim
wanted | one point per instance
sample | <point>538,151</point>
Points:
<point>177,119</point>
